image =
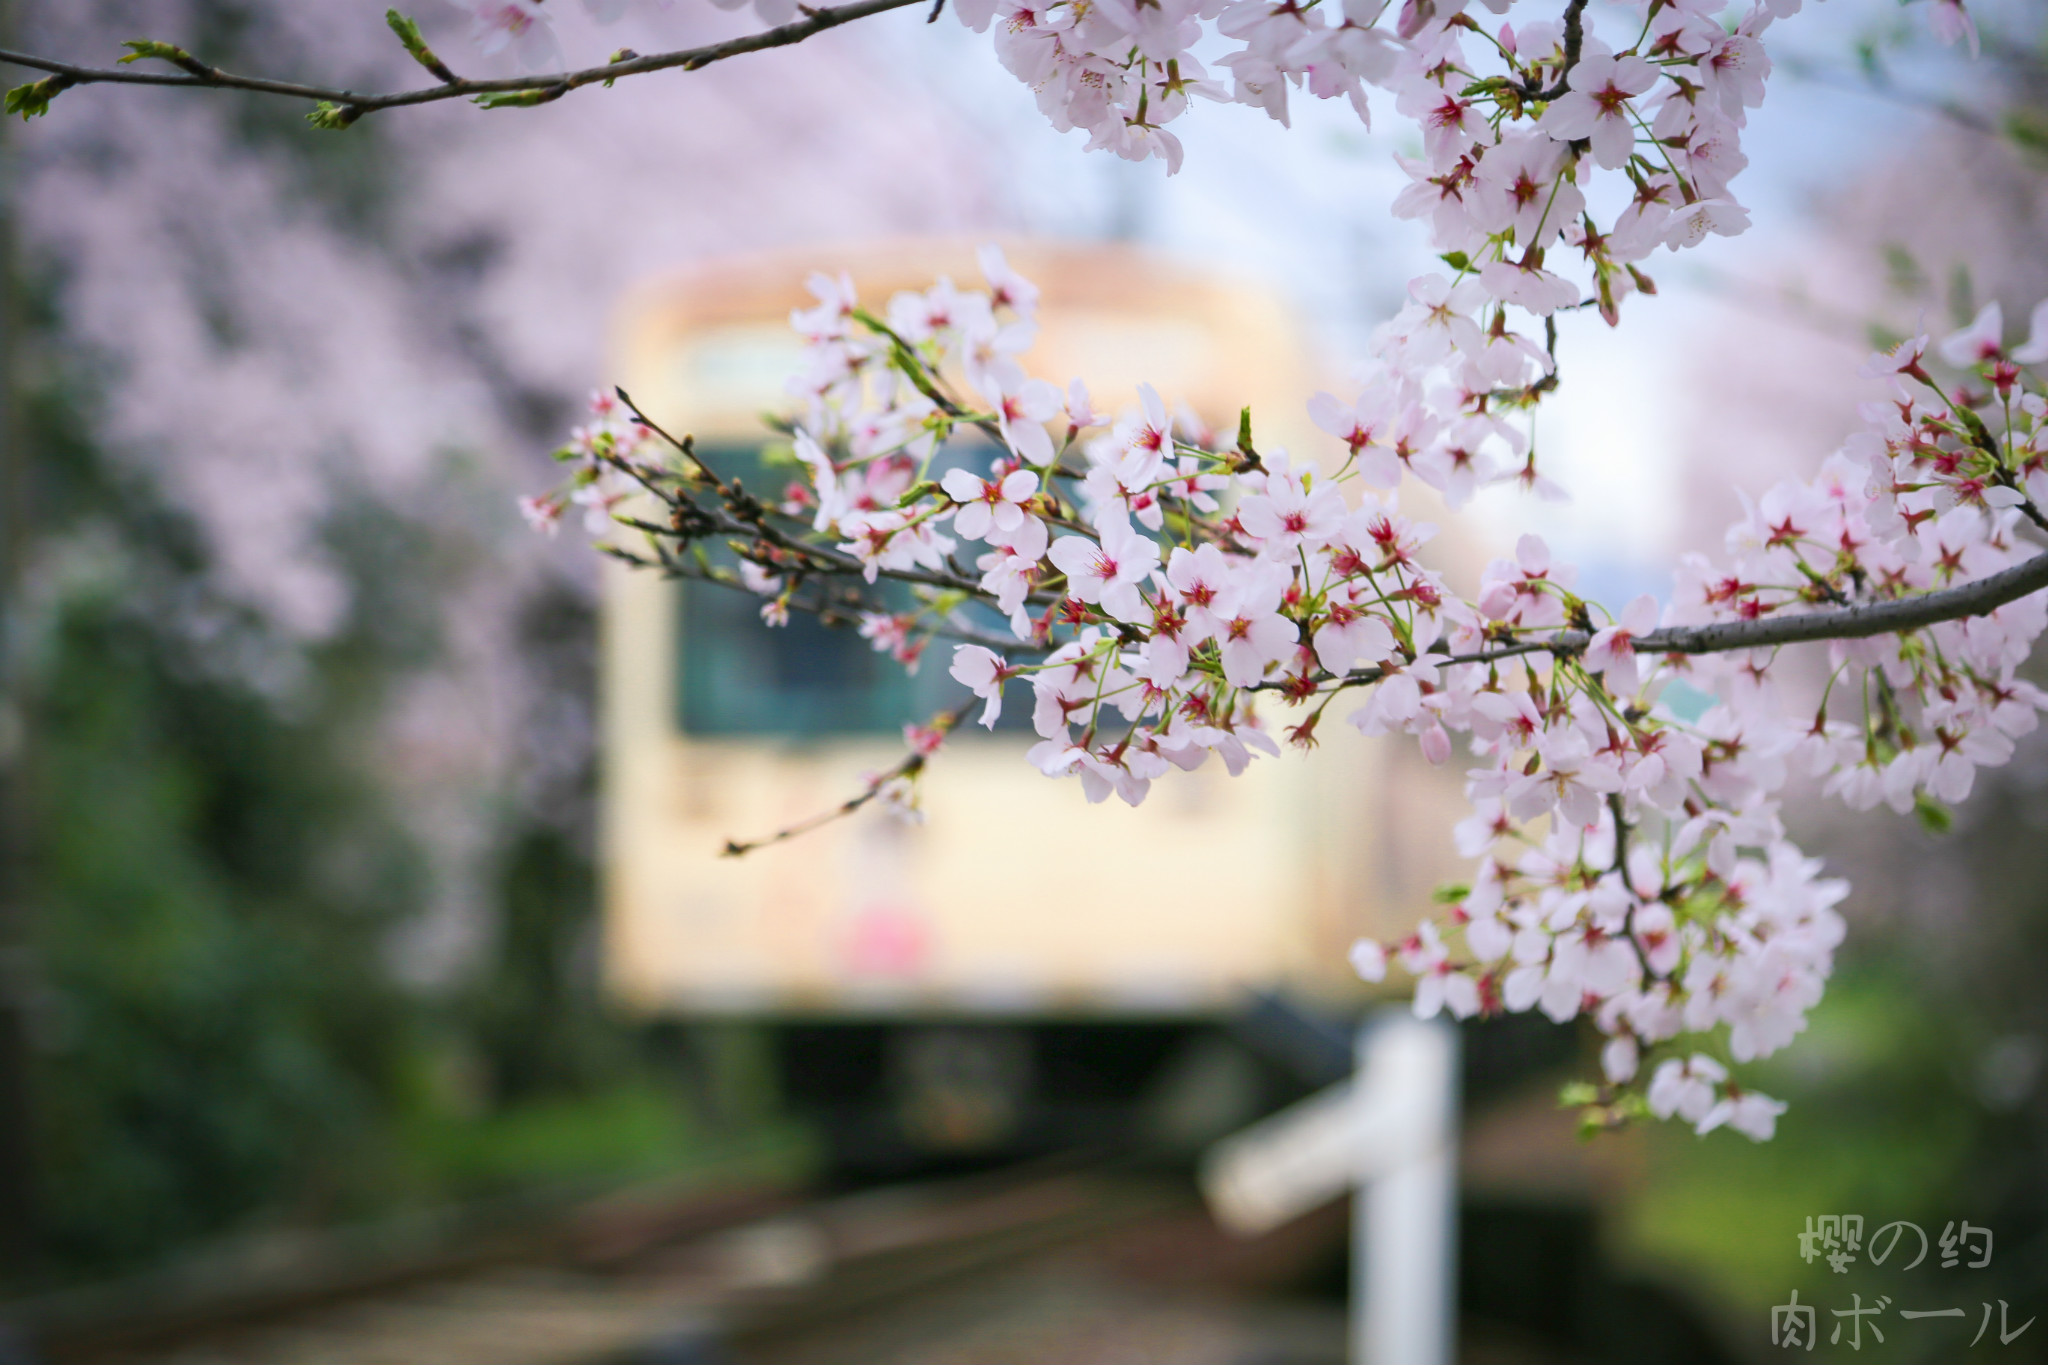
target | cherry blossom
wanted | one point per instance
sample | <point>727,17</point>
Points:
<point>1632,866</point>
<point>543,513</point>
<point>1862,631</point>
<point>1022,415</point>
<point>1612,652</point>
<point>1292,512</point>
<point>990,509</point>
<point>523,26</point>
<point>2036,349</point>
<point>1597,106</point>
<point>1979,343</point>
<point>1176,594</point>
<point>1108,571</point>
<point>1950,21</point>
<point>982,671</point>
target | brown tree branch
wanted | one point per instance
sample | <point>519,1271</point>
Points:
<point>844,612</point>
<point>351,105</point>
<point>1975,598</point>
<point>1842,623</point>
<point>1856,622</point>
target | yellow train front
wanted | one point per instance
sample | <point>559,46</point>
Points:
<point>1022,972</point>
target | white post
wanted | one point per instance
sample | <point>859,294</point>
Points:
<point>1390,1134</point>
<point>1405,1213</point>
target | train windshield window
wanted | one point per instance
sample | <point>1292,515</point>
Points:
<point>737,676</point>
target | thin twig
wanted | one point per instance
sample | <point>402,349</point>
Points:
<point>354,104</point>
<point>822,559</point>
<point>1621,831</point>
<point>740,848</point>
<point>912,764</point>
<point>842,613</point>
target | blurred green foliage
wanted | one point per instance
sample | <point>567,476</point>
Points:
<point>1916,1094</point>
<point>221,879</point>
<point>221,1042</point>
<point>211,882</point>
<point>1878,1126</point>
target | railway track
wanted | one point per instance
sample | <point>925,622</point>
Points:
<point>746,1276</point>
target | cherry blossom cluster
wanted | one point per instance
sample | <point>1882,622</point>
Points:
<point>1555,164</point>
<point>1667,108</point>
<point>1516,127</point>
<point>1934,492</point>
<point>1663,898</point>
<point>1170,595</point>
<point>1163,593</point>
<point>1161,596</point>
<point>599,453</point>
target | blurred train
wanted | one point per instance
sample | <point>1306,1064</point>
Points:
<point>1023,972</point>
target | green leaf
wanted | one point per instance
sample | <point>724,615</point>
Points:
<point>519,99</point>
<point>917,492</point>
<point>1980,434</point>
<point>33,99</point>
<point>330,117</point>
<point>150,47</point>
<point>1577,1095</point>
<point>1450,893</point>
<point>1935,818</point>
<point>1457,260</point>
<point>624,54</point>
<point>408,31</point>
